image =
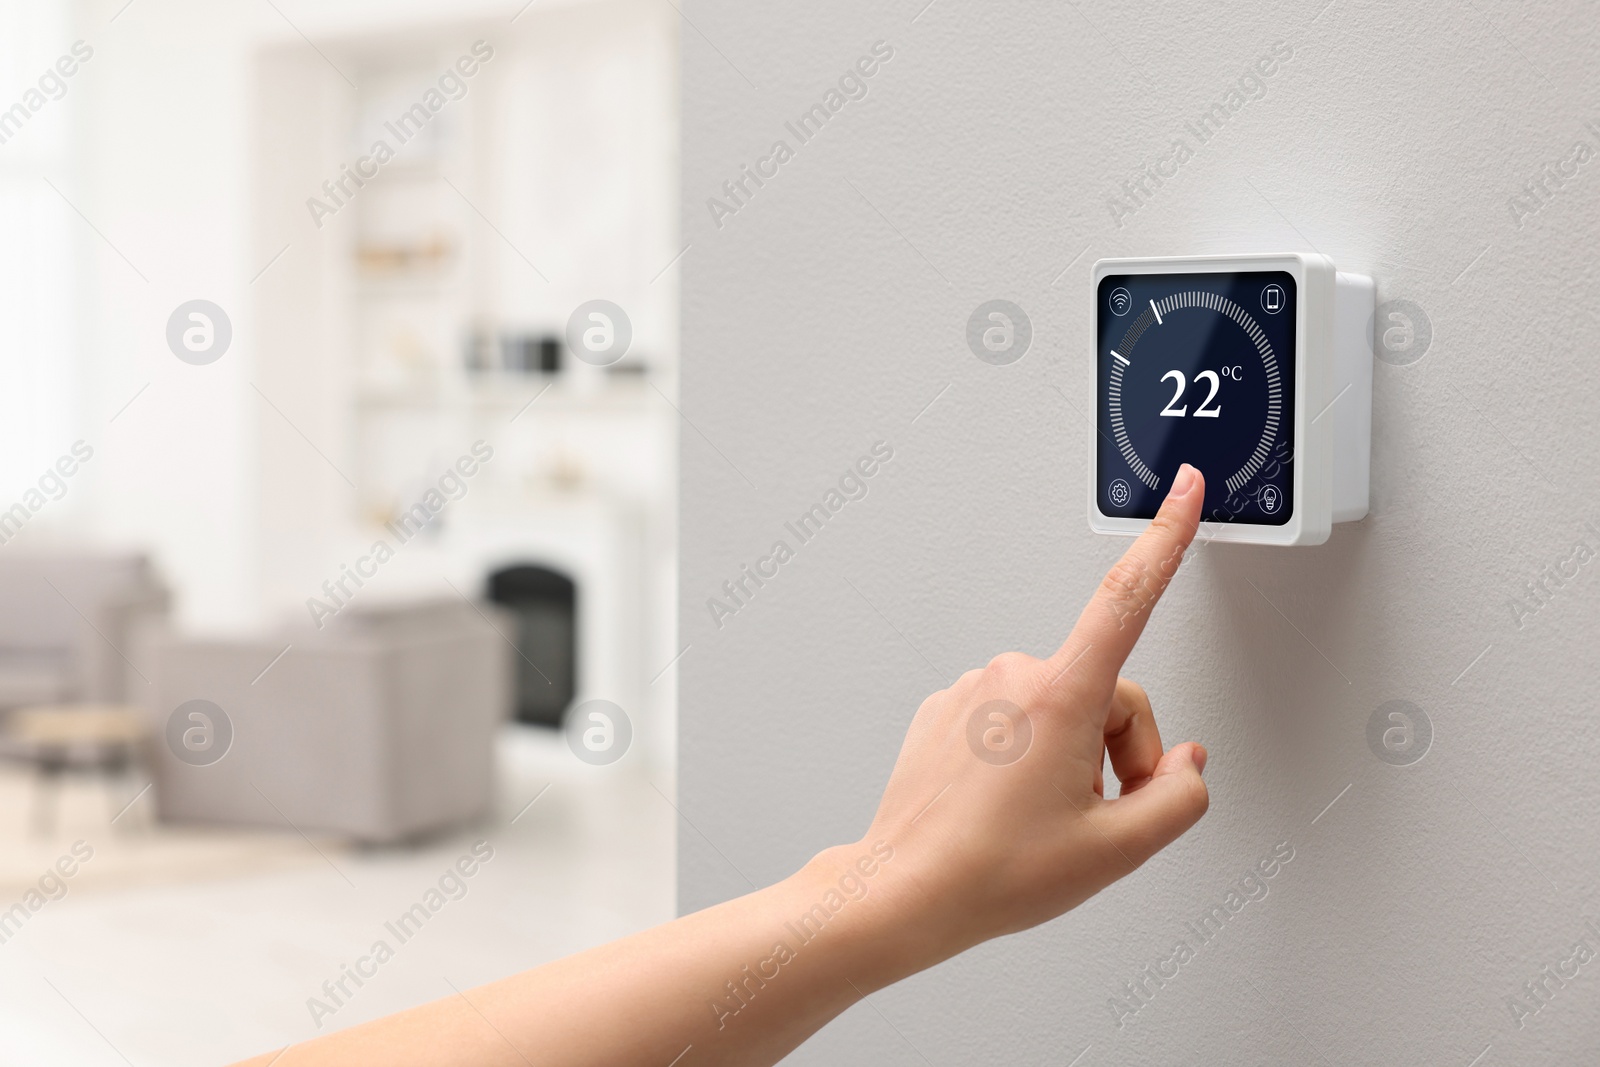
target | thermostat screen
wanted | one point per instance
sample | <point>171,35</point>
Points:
<point>1197,368</point>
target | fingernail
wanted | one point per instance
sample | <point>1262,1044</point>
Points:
<point>1200,758</point>
<point>1183,482</point>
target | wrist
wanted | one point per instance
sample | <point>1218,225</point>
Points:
<point>864,902</point>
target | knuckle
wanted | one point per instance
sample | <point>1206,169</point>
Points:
<point>1132,695</point>
<point>1125,578</point>
<point>1125,588</point>
<point>1196,797</point>
<point>1164,523</point>
<point>1011,664</point>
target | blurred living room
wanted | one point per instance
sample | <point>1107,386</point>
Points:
<point>338,496</point>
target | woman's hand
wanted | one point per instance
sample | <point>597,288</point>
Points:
<point>995,809</point>
<point>993,821</point>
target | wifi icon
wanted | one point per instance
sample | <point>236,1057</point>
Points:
<point>1120,301</point>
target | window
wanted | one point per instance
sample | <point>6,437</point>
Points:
<point>37,237</point>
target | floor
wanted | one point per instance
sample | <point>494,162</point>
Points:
<point>221,964</point>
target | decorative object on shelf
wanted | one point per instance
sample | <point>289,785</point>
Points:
<point>389,260</point>
<point>565,473</point>
<point>531,353</point>
<point>409,357</point>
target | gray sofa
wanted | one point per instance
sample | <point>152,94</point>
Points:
<point>69,623</point>
<point>377,728</point>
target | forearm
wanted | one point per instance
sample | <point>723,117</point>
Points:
<point>994,820</point>
<point>743,982</point>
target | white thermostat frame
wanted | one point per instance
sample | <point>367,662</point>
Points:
<point>1332,394</point>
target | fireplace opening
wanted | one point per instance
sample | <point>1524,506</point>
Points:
<point>543,603</point>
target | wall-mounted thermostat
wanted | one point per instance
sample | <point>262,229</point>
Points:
<point>1256,369</point>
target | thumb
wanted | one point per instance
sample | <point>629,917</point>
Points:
<point>1145,821</point>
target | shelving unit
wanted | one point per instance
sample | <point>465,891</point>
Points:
<point>473,231</point>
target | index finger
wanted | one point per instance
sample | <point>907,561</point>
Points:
<point>1114,618</point>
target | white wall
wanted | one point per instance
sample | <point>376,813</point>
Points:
<point>816,322</point>
<point>160,174</point>
<point>38,417</point>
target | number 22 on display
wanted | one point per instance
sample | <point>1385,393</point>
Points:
<point>1203,411</point>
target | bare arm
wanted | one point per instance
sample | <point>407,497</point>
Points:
<point>993,821</point>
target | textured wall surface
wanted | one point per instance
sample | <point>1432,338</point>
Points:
<point>1430,145</point>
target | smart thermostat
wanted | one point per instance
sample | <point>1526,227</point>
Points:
<point>1257,369</point>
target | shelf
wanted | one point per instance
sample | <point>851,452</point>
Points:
<point>627,396</point>
<point>440,284</point>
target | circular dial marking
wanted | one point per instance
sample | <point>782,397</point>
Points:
<point>1125,354</point>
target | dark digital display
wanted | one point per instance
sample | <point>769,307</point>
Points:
<point>1197,368</point>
